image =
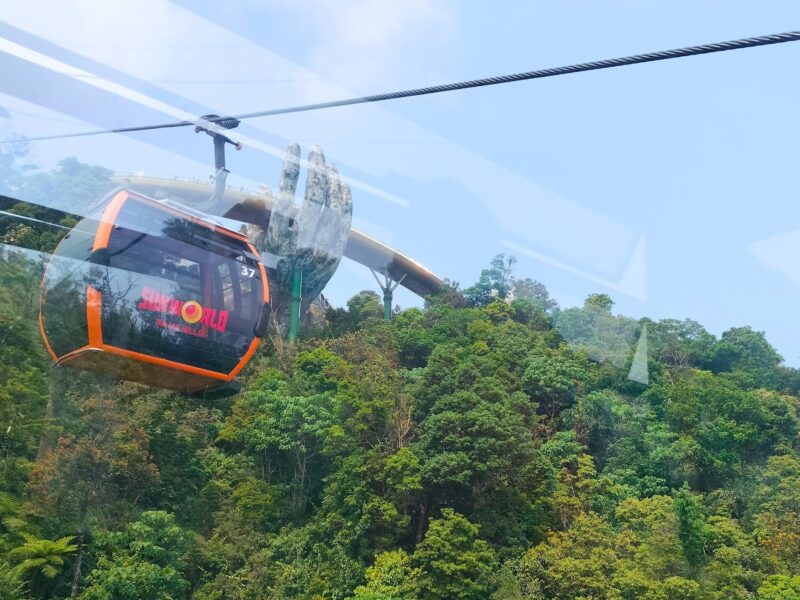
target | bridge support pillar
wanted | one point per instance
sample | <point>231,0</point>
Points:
<point>388,285</point>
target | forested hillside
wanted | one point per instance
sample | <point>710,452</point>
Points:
<point>462,451</point>
<point>490,445</point>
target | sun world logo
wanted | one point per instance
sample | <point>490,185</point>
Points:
<point>189,311</point>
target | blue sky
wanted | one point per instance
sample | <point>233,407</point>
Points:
<point>670,186</point>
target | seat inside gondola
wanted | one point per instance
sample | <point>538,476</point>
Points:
<point>151,293</point>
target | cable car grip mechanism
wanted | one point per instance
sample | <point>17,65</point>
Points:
<point>221,172</point>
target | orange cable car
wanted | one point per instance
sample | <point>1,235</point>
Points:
<point>151,293</point>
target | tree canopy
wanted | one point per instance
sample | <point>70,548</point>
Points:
<point>487,445</point>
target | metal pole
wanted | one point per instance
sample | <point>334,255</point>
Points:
<point>297,288</point>
<point>220,171</point>
<point>219,151</point>
<point>221,175</point>
<point>387,303</point>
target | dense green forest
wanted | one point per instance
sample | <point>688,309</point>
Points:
<point>490,445</point>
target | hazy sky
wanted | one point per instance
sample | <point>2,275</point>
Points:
<point>670,186</point>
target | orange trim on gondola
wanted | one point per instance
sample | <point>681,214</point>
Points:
<point>245,359</point>
<point>94,306</point>
<point>44,337</point>
<point>94,320</point>
<point>166,363</point>
<point>163,362</point>
<point>69,356</point>
<point>108,219</point>
<point>264,280</point>
<point>94,316</point>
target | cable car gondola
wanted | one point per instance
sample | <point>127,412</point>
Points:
<point>148,292</point>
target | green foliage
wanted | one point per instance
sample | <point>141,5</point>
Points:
<point>71,186</point>
<point>11,586</point>
<point>534,292</point>
<point>23,371</point>
<point>392,577</point>
<point>600,419</point>
<point>681,344</point>
<point>553,380</point>
<point>144,561</point>
<point>37,556</point>
<point>39,560</point>
<point>777,512</point>
<point>360,308</point>
<point>749,352</point>
<point>593,328</point>
<point>692,532</point>
<point>496,282</point>
<point>454,563</point>
<point>573,564</point>
<point>488,445</point>
<point>780,587</point>
<point>414,339</point>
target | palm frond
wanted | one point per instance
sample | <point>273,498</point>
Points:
<point>49,571</point>
<point>14,523</point>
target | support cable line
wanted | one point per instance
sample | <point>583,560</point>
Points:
<point>751,42</point>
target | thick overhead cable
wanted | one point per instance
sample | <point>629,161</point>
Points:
<point>752,42</point>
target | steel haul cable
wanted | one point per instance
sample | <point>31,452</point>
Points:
<point>752,42</point>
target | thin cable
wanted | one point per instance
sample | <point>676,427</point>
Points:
<point>26,218</point>
<point>752,42</point>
